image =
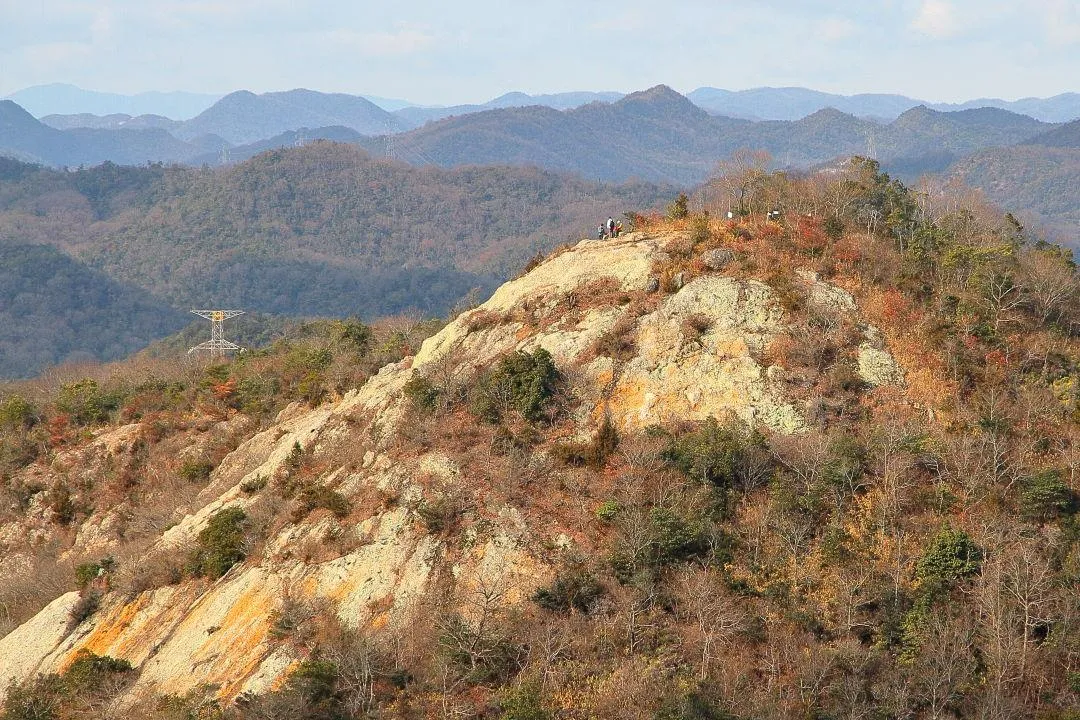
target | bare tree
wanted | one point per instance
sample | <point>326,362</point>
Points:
<point>715,617</point>
<point>1050,281</point>
<point>945,666</point>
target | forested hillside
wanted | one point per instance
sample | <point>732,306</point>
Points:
<point>1039,182</point>
<point>814,466</point>
<point>54,309</point>
<point>660,135</point>
<point>324,229</point>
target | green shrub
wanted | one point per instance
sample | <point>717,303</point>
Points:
<point>38,698</point>
<point>952,555</point>
<point>257,394</point>
<point>91,675</point>
<point>295,458</point>
<point>199,703</point>
<point>575,590</point>
<point>196,469</point>
<point>833,227</point>
<point>421,393</point>
<point>692,707</point>
<point>675,537</point>
<point>17,413</point>
<point>520,381</point>
<point>62,503</point>
<point>216,374</point>
<point>608,510</point>
<point>523,703</point>
<point>679,209</point>
<point>312,691</point>
<point>700,228</point>
<point>253,485</point>
<point>1046,496</point>
<point>439,514</point>
<point>313,359</point>
<point>846,464</point>
<point>606,441</point>
<point>315,681</point>
<point>220,543</point>
<point>86,403</point>
<point>318,496</point>
<point>714,453</point>
<point>669,536</point>
<point>86,573</point>
<point>354,334</point>
<point>481,653</point>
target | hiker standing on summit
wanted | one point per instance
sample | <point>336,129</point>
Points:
<point>611,227</point>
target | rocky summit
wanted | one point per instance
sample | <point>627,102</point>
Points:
<point>641,333</point>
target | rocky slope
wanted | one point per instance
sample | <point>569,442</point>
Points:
<point>645,329</point>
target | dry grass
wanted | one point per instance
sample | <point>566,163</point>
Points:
<point>618,343</point>
<point>481,319</point>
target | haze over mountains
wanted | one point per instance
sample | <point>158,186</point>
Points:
<point>792,103</point>
<point>763,103</point>
<point>281,218</point>
<point>66,99</point>
<point>326,229</point>
<point>656,135</point>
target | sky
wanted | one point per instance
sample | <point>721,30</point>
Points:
<point>457,51</point>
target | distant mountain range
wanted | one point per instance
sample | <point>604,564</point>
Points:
<point>244,117</point>
<point>792,103</point>
<point>660,135</point>
<point>765,103</point>
<point>656,135</point>
<point>65,99</point>
<point>26,138</point>
<point>416,116</point>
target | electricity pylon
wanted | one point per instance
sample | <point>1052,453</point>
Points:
<point>217,345</point>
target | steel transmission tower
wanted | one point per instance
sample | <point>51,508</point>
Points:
<point>217,345</point>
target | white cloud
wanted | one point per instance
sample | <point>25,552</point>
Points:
<point>396,43</point>
<point>55,55</point>
<point>1062,18</point>
<point>629,20</point>
<point>832,29</point>
<point>936,18</point>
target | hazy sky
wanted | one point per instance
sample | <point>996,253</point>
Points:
<point>472,50</point>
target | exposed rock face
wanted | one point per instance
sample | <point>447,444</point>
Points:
<point>717,259</point>
<point>679,377</point>
<point>876,365</point>
<point>696,352</point>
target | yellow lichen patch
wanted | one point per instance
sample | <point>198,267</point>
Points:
<point>732,347</point>
<point>131,631</point>
<point>239,645</point>
<point>605,376</point>
<point>111,629</point>
<point>627,401</point>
